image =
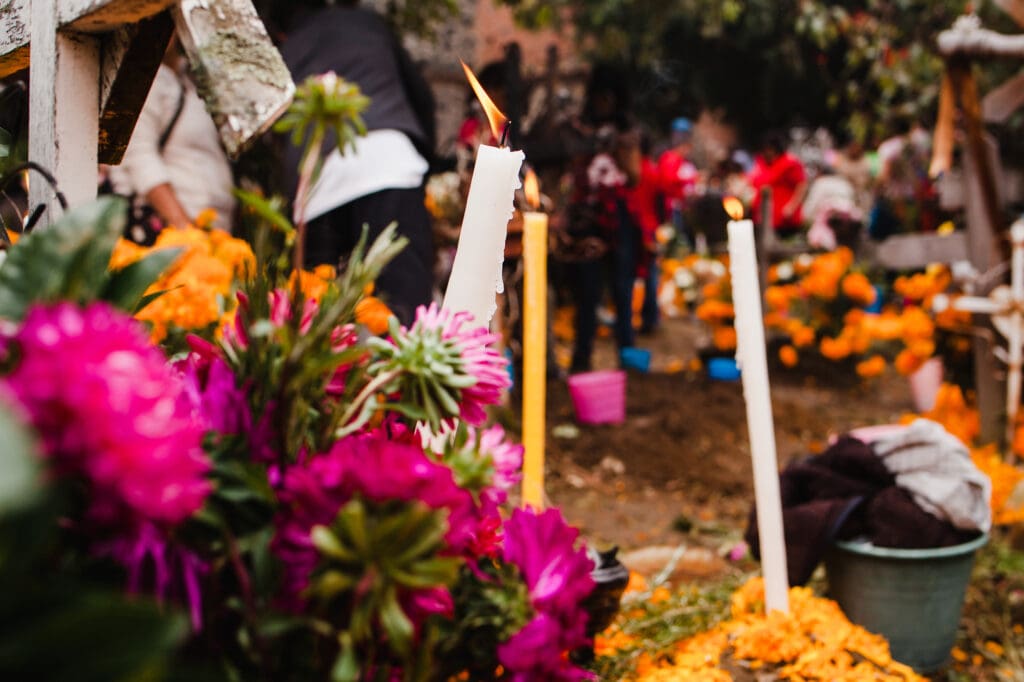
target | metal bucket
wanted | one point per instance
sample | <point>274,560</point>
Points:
<point>912,597</point>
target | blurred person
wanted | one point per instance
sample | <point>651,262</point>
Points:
<point>357,188</point>
<point>647,206</point>
<point>677,174</point>
<point>830,209</point>
<point>852,163</point>
<point>782,172</point>
<point>174,165</point>
<point>603,212</point>
<point>902,187</point>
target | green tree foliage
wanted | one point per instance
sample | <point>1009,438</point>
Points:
<point>849,64</point>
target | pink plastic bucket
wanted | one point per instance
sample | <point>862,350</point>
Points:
<point>599,397</point>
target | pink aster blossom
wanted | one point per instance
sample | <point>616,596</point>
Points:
<point>506,457</point>
<point>557,576</point>
<point>478,358</point>
<point>108,407</point>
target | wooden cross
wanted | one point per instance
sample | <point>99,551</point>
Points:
<point>1005,307</point>
<point>961,45</point>
<point>91,64</point>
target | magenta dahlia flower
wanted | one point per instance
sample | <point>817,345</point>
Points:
<point>557,576</point>
<point>377,468</point>
<point>108,407</point>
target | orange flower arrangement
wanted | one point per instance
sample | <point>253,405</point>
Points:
<point>814,641</point>
<point>834,348</point>
<point>857,287</point>
<point>872,367</point>
<point>198,285</point>
<point>724,337</point>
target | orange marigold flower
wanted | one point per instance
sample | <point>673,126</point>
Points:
<point>724,338</point>
<point>834,348</point>
<point>872,367</point>
<point>206,218</point>
<point>802,336</point>
<point>715,311</point>
<point>908,362</point>
<point>373,314</point>
<point>994,648</point>
<point>777,298</point>
<point>858,288</point>
<point>125,253</point>
<point>788,356</point>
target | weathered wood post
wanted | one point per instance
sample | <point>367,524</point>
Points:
<point>93,61</point>
<point>964,42</point>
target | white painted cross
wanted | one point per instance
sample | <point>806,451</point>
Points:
<point>1005,306</point>
<point>93,61</point>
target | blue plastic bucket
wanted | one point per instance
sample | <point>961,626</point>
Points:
<point>635,358</point>
<point>912,597</point>
<point>723,369</point>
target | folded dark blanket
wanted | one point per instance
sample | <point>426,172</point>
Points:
<point>846,493</point>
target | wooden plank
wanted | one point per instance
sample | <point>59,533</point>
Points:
<point>123,91</point>
<point>912,251</point>
<point>236,68</point>
<point>1015,8</point>
<point>64,106</point>
<point>13,36</point>
<point>101,16</point>
<point>968,39</point>
<point>999,104</point>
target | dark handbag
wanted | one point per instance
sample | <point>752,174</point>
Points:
<point>144,223</point>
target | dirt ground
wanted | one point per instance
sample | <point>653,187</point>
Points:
<point>678,471</point>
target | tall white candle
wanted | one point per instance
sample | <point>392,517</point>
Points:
<point>476,272</point>
<point>750,355</point>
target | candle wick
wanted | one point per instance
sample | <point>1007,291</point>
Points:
<point>504,133</point>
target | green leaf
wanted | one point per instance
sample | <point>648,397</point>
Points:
<point>346,666</point>
<point>326,543</point>
<point>264,209</point>
<point>68,260</point>
<point>20,476</point>
<point>396,624</point>
<point>149,298</point>
<point>88,638</point>
<point>126,287</point>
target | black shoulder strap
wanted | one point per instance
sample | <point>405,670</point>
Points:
<point>174,118</point>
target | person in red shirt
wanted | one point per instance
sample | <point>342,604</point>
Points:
<point>676,174</point>
<point>776,168</point>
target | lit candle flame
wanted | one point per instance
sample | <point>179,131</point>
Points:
<point>734,207</point>
<point>531,188</point>
<point>494,115</point>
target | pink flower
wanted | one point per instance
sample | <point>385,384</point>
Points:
<point>557,576</point>
<point>160,567</point>
<point>480,359</point>
<point>451,371</point>
<point>506,457</point>
<point>108,407</point>
<point>377,468</point>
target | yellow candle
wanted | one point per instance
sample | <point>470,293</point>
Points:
<point>535,301</point>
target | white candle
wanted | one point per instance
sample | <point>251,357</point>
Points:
<point>750,355</point>
<point>476,272</point>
